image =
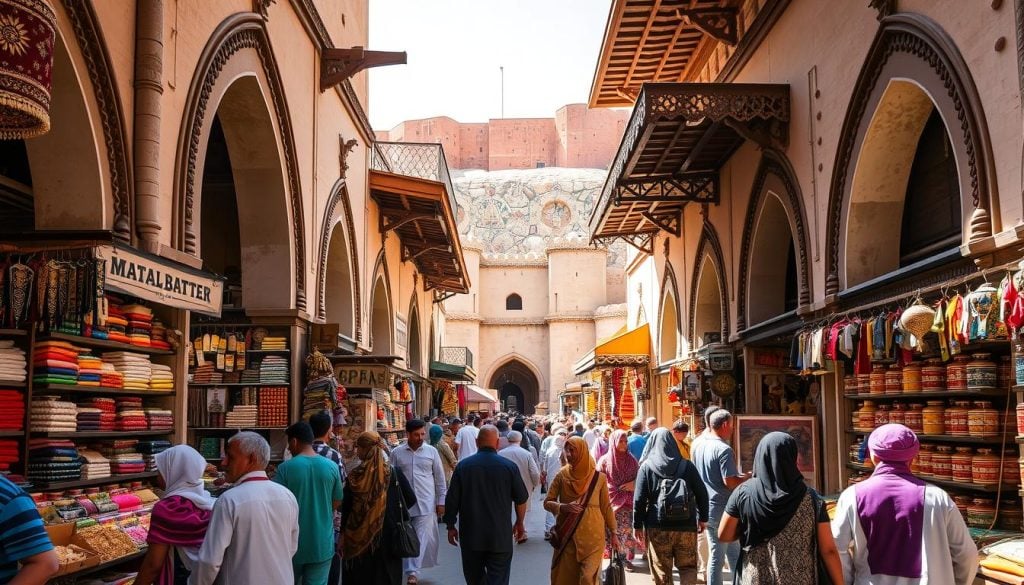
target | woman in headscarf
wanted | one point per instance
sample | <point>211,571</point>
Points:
<point>578,561</point>
<point>448,460</point>
<point>669,533</point>
<point>782,524</point>
<point>550,464</point>
<point>620,469</point>
<point>179,520</point>
<point>892,528</point>
<point>370,509</point>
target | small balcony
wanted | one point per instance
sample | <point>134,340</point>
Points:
<point>453,363</point>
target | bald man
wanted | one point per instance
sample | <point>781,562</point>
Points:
<point>483,489</point>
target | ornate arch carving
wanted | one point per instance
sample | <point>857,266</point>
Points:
<point>339,194</point>
<point>709,246</point>
<point>912,46</point>
<point>237,32</point>
<point>774,164</point>
<point>90,40</point>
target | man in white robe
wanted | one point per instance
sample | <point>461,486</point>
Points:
<point>551,462</point>
<point>421,464</point>
<point>528,469</point>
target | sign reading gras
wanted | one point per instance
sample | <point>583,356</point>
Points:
<point>356,376</point>
<point>156,279</point>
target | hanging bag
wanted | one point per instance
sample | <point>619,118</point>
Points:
<point>615,572</point>
<point>404,542</point>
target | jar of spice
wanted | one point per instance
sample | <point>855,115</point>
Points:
<point>894,380</point>
<point>877,380</point>
<point>850,387</point>
<point>898,414</point>
<point>986,468</point>
<point>956,418</point>
<point>981,513</point>
<point>866,416</point>
<point>915,418</point>
<point>1011,516</point>
<point>912,378</point>
<point>956,373</point>
<point>981,373</point>
<point>863,383</point>
<point>924,456</point>
<point>933,376</point>
<point>1004,374</point>
<point>881,415</point>
<point>962,461</point>
<point>942,462</point>
<point>983,420</point>
<point>933,418</point>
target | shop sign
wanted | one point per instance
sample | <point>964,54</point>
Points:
<point>357,376</point>
<point>770,358</point>
<point>720,358</point>
<point>156,279</point>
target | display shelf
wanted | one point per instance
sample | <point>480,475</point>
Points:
<point>67,485</point>
<point>13,384</point>
<point>104,344</point>
<point>926,395</point>
<point>951,439</point>
<point>948,484</point>
<point>7,332</point>
<point>100,567</point>
<point>237,428</point>
<point>12,433</point>
<point>99,390</point>
<point>268,351</point>
<point>99,434</point>
<point>239,385</point>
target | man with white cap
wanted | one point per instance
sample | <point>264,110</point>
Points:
<point>894,529</point>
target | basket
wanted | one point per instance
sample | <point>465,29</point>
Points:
<point>917,320</point>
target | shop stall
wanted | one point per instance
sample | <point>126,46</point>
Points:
<point>623,364</point>
<point>379,396</point>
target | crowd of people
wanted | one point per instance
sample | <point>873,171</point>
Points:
<point>608,493</point>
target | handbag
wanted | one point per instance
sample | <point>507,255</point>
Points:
<point>564,530</point>
<point>404,542</point>
<point>615,572</point>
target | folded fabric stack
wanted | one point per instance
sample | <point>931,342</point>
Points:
<point>318,396</point>
<point>51,460</point>
<point>90,370</point>
<point>55,362</point>
<point>134,367</point>
<point>273,344</point>
<point>160,419</point>
<point>140,324</point>
<point>123,455</point>
<point>93,419</point>
<point>273,408</point>
<point>250,376</point>
<point>117,323</point>
<point>159,335</point>
<point>95,465</point>
<point>149,450</point>
<point>130,415</point>
<point>274,370</point>
<point>107,409</point>
<point>205,374</point>
<point>12,362</point>
<point>110,377</point>
<point>51,415</point>
<point>241,417</point>
<point>8,454</point>
<point>233,377</point>
<point>12,410</point>
<point>161,378</point>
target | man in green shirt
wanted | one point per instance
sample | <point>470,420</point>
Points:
<point>316,484</point>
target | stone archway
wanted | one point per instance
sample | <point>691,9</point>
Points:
<point>669,329</point>
<point>415,348</point>
<point>382,329</point>
<point>709,301</point>
<point>913,48</point>
<point>339,298</point>
<point>515,378</point>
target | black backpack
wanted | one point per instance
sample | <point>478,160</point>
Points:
<point>674,502</point>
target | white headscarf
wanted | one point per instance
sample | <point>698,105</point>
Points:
<point>182,468</point>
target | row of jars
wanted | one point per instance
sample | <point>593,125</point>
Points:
<point>958,418</point>
<point>975,373</point>
<point>960,463</point>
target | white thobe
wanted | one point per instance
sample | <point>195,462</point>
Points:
<point>425,473</point>
<point>527,466</point>
<point>253,534</point>
<point>949,556</point>
<point>590,437</point>
<point>551,463</point>
<point>466,439</point>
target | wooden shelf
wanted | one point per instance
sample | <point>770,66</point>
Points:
<point>268,351</point>
<point>66,485</point>
<point>240,385</point>
<point>6,332</point>
<point>99,390</point>
<point>235,429</point>
<point>104,344</point>
<point>952,438</point>
<point>99,434</point>
<point>928,395</point>
<point>12,433</point>
<point>949,484</point>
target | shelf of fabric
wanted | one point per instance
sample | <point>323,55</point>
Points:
<point>211,429</point>
<point>13,384</point>
<point>928,395</point>
<point>105,344</point>
<point>100,390</point>
<point>238,385</point>
<point>12,433</point>
<point>100,434</point>
<point>258,351</point>
<point>66,485</point>
<point>950,438</point>
<point>950,484</point>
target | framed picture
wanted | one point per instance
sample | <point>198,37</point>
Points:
<point>749,429</point>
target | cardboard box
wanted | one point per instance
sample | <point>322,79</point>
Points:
<point>63,535</point>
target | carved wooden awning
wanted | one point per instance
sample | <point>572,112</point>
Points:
<point>656,41</point>
<point>678,137</point>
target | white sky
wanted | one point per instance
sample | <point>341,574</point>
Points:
<point>549,49</point>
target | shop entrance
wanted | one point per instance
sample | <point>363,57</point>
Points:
<point>516,383</point>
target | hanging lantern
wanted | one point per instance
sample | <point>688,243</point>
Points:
<point>27,29</point>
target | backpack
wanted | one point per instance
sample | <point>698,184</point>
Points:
<point>674,501</point>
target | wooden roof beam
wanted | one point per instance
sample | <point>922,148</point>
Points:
<point>338,65</point>
<point>643,39</point>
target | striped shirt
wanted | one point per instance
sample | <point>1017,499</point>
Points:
<point>21,530</point>
<point>325,450</point>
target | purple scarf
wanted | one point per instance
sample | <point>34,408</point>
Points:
<point>890,505</point>
<point>176,522</point>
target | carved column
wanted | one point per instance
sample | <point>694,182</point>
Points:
<point>149,47</point>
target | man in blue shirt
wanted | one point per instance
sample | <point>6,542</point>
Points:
<point>637,440</point>
<point>483,489</point>
<point>23,539</point>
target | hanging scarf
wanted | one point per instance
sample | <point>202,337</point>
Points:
<point>436,432</point>
<point>662,453</point>
<point>369,484</point>
<point>620,468</point>
<point>768,502</point>
<point>579,466</point>
<point>890,505</point>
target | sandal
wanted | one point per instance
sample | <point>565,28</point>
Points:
<point>412,580</point>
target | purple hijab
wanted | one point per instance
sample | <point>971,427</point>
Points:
<point>890,504</point>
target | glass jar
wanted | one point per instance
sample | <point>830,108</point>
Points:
<point>898,414</point>
<point>942,462</point>
<point>881,415</point>
<point>962,462</point>
<point>850,386</point>
<point>956,373</point>
<point>933,418</point>
<point>933,376</point>
<point>912,378</point>
<point>866,416</point>
<point>983,420</point>
<point>981,513</point>
<point>924,456</point>
<point>894,380</point>
<point>986,467</point>
<point>877,380</point>
<point>1004,373</point>
<point>956,418</point>
<point>981,373</point>
<point>915,418</point>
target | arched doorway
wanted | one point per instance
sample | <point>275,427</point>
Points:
<point>772,264</point>
<point>669,329</point>
<point>415,360</point>
<point>707,304</point>
<point>381,324</point>
<point>517,386</point>
<point>339,302</point>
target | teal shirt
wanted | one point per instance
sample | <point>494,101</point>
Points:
<point>316,484</point>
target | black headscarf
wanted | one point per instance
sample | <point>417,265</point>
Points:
<point>663,453</point>
<point>767,502</point>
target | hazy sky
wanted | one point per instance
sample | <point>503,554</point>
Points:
<point>549,49</point>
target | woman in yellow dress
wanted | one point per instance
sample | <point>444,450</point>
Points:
<point>579,561</point>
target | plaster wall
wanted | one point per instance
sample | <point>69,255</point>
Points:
<point>568,340</point>
<point>498,282</point>
<point>588,138</point>
<point>521,143</point>
<point>577,281</point>
<point>468,303</point>
<point>608,321</point>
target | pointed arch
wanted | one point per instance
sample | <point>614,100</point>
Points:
<point>339,217</point>
<point>382,313</point>
<point>913,47</point>
<point>670,329</point>
<point>415,339</point>
<point>776,180</point>
<point>514,369</point>
<point>709,249</point>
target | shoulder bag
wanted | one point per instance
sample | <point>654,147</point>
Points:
<point>404,542</point>
<point>565,529</point>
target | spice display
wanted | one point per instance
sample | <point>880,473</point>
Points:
<point>956,373</point>
<point>933,376</point>
<point>956,417</point>
<point>894,380</point>
<point>983,420</point>
<point>109,543</point>
<point>981,373</point>
<point>912,378</point>
<point>933,416</point>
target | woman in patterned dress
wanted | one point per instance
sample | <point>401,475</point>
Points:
<point>620,469</point>
<point>780,522</point>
